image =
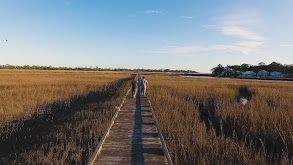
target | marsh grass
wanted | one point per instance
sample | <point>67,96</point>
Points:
<point>64,129</point>
<point>203,121</point>
<point>24,93</point>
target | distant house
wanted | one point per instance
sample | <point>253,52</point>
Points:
<point>288,75</point>
<point>236,73</point>
<point>263,73</point>
<point>227,69</point>
<point>276,74</point>
<point>227,72</point>
<point>248,74</point>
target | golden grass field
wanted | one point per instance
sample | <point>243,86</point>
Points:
<point>22,92</point>
<point>56,117</point>
<point>203,121</point>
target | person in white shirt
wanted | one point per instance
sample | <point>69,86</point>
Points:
<point>143,86</point>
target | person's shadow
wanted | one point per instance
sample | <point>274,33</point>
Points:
<point>137,149</point>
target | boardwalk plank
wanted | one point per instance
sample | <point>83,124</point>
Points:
<point>133,139</point>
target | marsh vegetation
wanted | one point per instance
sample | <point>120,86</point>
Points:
<point>56,117</point>
<point>204,121</point>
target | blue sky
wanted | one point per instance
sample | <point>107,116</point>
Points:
<point>189,34</point>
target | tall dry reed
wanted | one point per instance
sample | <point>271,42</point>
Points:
<point>23,92</point>
<point>204,121</point>
<point>67,115</point>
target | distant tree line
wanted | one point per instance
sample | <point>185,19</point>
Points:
<point>274,66</point>
<point>37,67</point>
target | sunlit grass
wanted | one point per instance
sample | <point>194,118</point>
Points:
<point>23,93</point>
<point>204,122</point>
<point>56,117</point>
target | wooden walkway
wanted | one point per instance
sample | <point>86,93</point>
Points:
<point>133,138</point>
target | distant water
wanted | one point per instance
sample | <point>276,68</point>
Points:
<point>206,77</point>
<point>235,79</point>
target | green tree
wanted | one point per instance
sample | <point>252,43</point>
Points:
<point>218,69</point>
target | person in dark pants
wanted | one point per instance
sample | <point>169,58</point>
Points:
<point>133,86</point>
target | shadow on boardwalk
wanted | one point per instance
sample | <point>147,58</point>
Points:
<point>133,138</point>
<point>136,145</point>
<point>137,149</point>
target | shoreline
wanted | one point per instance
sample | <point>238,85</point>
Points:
<point>247,78</point>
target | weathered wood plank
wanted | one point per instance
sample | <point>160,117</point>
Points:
<point>133,139</point>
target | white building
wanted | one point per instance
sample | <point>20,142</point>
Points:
<point>263,73</point>
<point>276,74</point>
<point>248,74</point>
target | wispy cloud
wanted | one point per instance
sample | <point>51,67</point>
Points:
<point>251,44</point>
<point>238,25</point>
<point>244,48</point>
<point>186,17</point>
<point>152,12</point>
<point>240,32</point>
<point>286,45</point>
<point>67,2</point>
<point>146,12</point>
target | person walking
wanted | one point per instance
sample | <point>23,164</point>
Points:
<point>143,86</point>
<point>133,86</point>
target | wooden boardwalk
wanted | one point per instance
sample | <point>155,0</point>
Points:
<point>133,138</point>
